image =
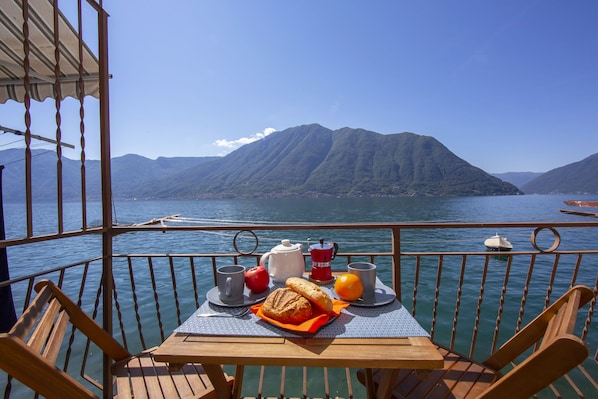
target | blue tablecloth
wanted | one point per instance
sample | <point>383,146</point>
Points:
<point>390,320</point>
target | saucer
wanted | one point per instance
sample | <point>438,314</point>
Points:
<point>382,295</point>
<point>249,298</point>
<point>321,282</point>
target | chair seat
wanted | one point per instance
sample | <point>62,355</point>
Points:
<point>142,377</point>
<point>459,378</point>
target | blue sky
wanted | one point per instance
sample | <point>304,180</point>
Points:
<point>507,85</point>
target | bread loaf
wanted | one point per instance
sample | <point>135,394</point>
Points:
<point>311,291</point>
<point>287,306</point>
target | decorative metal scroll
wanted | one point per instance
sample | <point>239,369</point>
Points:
<point>236,246</point>
<point>555,244</point>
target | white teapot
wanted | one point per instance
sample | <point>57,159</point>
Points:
<point>286,260</point>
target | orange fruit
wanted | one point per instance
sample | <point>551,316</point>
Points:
<point>348,287</point>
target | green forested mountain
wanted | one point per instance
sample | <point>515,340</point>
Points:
<point>577,177</point>
<point>314,161</point>
<point>43,181</point>
<point>303,161</point>
<point>130,172</point>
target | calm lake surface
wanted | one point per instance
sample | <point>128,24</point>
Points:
<point>529,208</point>
<point>32,258</point>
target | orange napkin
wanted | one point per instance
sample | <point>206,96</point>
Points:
<point>311,325</point>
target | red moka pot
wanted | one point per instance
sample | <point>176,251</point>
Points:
<point>321,255</point>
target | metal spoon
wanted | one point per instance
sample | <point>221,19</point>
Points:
<point>237,313</point>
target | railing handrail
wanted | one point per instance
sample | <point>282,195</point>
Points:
<point>119,229</point>
<point>122,229</point>
<point>468,300</point>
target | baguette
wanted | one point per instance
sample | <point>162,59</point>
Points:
<point>311,291</point>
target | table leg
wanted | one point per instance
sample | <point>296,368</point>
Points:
<point>175,366</point>
<point>216,375</point>
<point>422,374</point>
<point>238,384</point>
<point>369,384</point>
<point>386,385</point>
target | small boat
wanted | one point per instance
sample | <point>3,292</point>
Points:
<point>579,213</point>
<point>591,204</point>
<point>581,204</point>
<point>498,243</point>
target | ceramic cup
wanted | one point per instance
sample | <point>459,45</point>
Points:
<point>231,283</point>
<point>367,274</point>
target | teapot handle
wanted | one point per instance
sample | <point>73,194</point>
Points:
<point>264,257</point>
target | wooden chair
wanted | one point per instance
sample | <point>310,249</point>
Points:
<point>29,351</point>
<point>557,353</point>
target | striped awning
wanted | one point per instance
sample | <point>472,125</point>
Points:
<point>29,51</point>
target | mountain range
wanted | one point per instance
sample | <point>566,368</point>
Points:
<point>303,161</point>
<point>518,179</point>
<point>575,178</point>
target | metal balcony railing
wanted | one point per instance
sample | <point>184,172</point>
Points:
<point>471,301</point>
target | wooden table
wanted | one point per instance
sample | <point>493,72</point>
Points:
<point>213,351</point>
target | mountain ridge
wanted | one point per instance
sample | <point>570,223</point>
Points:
<point>313,161</point>
<point>302,161</point>
<point>577,177</point>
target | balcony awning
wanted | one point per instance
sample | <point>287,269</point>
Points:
<point>41,55</point>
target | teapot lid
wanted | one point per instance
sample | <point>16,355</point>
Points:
<point>286,246</point>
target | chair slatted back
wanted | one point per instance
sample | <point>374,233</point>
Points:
<point>554,321</point>
<point>30,349</point>
<point>28,319</point>
<point>50,330</point>
<point>28,352</point>
<point>548,346</point>
<point>563,322</point>
<point>559,349</point>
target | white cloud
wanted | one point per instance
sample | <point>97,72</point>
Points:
<point>233,144</point>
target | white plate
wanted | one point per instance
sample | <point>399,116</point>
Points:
<point>249,298</point>
<point>383,295</point>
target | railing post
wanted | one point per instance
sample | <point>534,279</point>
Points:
<point>107,234</point>
<point>396,261</point>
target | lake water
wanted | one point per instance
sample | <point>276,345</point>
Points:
<point>32,258</point>
<point>527,208</point>
<point>542,208</point>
